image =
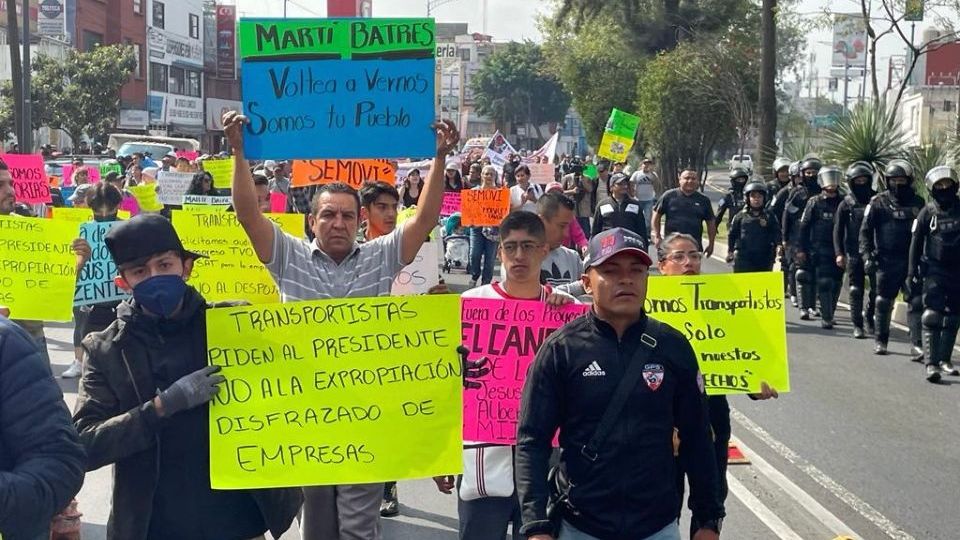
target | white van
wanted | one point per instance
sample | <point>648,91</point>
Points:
<point>126,144</point>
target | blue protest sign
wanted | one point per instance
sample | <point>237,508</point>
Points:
<point>338,88</point>
<point>95,282</point>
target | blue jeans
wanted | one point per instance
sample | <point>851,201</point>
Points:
<point>483,248</point>
<point>647,208</point>
<point>568,532</point>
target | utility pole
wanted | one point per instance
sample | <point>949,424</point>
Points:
<point>846,82</point>
<point>13,39</point>
<point>26,143</point>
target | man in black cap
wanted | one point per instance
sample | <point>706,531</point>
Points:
<point>620,210</point>
<point>143,397</point>
<point>574,384</point>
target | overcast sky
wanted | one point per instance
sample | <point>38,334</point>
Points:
<point>516,20</point>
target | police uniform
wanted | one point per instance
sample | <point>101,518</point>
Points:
<point>846,243</point>
<point>754,237</point>
<point>776,202</point>
<point>935,254</point>
<point>816,240</point>
<point>793,209</point>
<point>733,201</point>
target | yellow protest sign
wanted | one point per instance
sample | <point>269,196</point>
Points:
<point>37,268</point>
<point>221,170</point>
<point>344,391</point>
<point>735,322</point>
<point>205,208</point>
<point>80,215</point>
<point>232,271</point>
<point>615,147</point>
<point>146,196</point>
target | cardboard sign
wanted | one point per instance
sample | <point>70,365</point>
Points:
<point>338,88</point>
<point>509,333</point>
<point>541,173</point>
<point>66,176</point>
<point>735,322</point>
<point>146,197</point>
<point>420,275</point>
<point>212,200</point>
<point>232,271</point>
<point>29,178</point>
<point>451,203</point>
<point>173,186</point>
<point>484,207</point>
<point>221,170</point>
<point>37,268</point>
<point>618,136</point>
<point>278,202</point>
<point>80,215</point>
<point>353,172</point>
<point>192,155</point>
<point>95,282</point>
<point>335,392</point>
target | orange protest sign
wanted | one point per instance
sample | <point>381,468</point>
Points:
<point>484,207</point>
<point>353,172</point>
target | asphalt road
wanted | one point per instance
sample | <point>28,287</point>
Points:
<point>862,447</point>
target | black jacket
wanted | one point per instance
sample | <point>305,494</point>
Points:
<point>40,456</point>
<point>118,423</point>
<point>626,214</point>
<point>630,491</point>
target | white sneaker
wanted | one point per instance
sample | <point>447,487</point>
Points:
<point>74,371</point>
<point>473,283</point>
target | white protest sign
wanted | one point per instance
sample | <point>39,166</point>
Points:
<point>173,186</point>
<point>208,200</point>
<point>420,275</point>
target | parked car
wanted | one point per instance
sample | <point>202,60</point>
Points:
<point>744,161</point>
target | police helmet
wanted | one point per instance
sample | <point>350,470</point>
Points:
<point>794,169</point>
<point>899,167</point>
<point>939,173</point>
<point>755,186</point>
<point>739,172</point>
<point>779,164</point>
<point>810,163</point>
<point>829,177</point>
<point>858,169</point>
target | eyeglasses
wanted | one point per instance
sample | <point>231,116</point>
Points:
<point>511,248</point>
<point>681,257</point>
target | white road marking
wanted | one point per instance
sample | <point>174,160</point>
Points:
<point>767,516</point>
<point>858,505</point>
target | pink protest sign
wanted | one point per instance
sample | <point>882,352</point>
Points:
<point>189,154</point>
<point>451,203</point>
<point>278,203</point>
<point>93,174</point>
<point>509,333</point>
<point>29,178</point>
<point>129,204</point>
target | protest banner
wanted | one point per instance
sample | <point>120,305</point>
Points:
<point>66,174</point>
<point>205,208</point>
<point>221,170</point>
<point>509,333</point>
<point>37,268</point>
<point>420,275</point>
<point>541,173</point>
<point>548,151</point>
<point>232,271</point>
<point>129,204</point>
<point>95,282</point>
<point>735,323</point>
<point>173,186</point>
<point>499,150</point>
<point>338,88</point>
<point>451,203</point>
<point>404,169</point>
<point>209,200</point>
<point>80,215</point>
<point>618,136</point>
<point>108,167</point>
<point>353,172</point>
<point>188,154</point>
<point>484,207</point>
<point>335,392</point>
<point>146,197</point>
<point>278,202</point>
<point>30,181</point>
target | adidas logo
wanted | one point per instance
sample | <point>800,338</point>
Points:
<point>593,370</point>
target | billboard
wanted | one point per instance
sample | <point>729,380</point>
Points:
<point>52,17</point>
<point>226,42</point>
<point>849,40</point>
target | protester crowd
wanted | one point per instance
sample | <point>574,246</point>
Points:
<point>586,236</point>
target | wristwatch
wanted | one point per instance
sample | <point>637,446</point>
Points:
<point>712,524</point>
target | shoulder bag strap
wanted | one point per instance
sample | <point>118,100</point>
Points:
<point>648,343</point>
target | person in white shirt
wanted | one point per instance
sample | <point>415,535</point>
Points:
<point>524,195</point>
<point>486,515</point>
<point>642,187</point>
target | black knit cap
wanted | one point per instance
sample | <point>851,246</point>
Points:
<point>142,237</point>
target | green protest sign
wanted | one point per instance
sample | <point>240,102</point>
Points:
<point>335,38</point>
<point>622,124</point>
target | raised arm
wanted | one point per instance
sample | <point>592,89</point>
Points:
<point>416,229</point>
<point>258,228</point>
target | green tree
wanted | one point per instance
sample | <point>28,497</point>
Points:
<point>80,95</point>
<point>869,133</point>
<point>514,86</point>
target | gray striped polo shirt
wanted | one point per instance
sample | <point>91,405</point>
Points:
<point>303,272</point>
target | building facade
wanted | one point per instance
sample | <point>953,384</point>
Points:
<point>175,72</point>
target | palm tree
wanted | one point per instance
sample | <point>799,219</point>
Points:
<point>869,133</point>
<point>932,152</point>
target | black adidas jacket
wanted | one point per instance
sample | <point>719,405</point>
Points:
<point>630,490</point>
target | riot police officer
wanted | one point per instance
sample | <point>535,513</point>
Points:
<point>732,201</point>
<point>754,233</point>
<point>846,244</point>
<point>885,246</point>
<point>781,177</point>
<point>793,209</point>
<point>816,245</point>
<point>777,202</point>
<point>935,254</point>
